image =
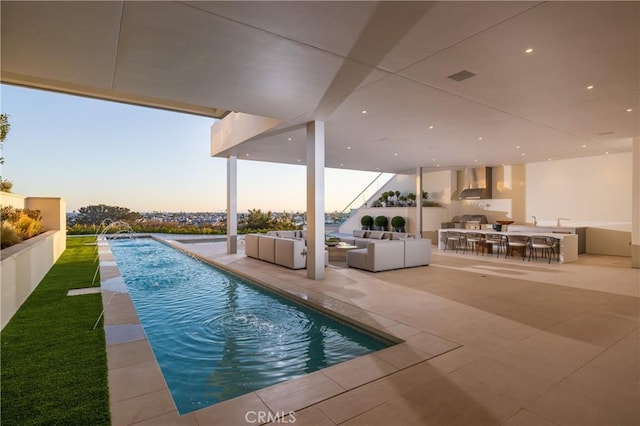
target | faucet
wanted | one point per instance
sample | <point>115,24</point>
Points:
<point>535,221</point>
<point>559,219</point>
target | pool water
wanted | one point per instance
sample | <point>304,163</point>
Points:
<point>217,336</point>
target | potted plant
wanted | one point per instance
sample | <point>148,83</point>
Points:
<point>332,241</point>
<point>397,224</point>
<point>367,222</point>
<point>381,223</point>
<point>412,198</point>
<point>383,199</point>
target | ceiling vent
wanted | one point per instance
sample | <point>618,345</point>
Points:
<point>462,75</point>
<point>606,133</point>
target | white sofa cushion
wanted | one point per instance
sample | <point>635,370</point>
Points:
<point>357,258</point>
<point>417,252</point>
<point>251,245</point>
<point>267,248</point>
<point>380,255</point>
<point>359,233</point>
<point>376,235</point>
<point>290,253</point>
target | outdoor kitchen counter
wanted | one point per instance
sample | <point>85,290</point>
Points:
<point>568,242</point>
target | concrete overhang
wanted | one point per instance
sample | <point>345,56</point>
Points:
<point>529,66</point>
<point>228,134</point>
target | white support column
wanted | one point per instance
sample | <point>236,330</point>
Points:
<point>419,200</point>
<point>232,204</point>
<point>315,200</point>
<point>635,204</point>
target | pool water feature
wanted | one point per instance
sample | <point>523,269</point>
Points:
<point>217,336</point>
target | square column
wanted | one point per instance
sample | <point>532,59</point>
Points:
<point>315,200</point>
<point>232,205</point>
<point>635,204</point>
<point>419,200</point>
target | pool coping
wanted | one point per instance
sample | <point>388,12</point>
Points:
<point>138,391</point>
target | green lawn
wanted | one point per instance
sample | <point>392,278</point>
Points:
<point>53,365</point>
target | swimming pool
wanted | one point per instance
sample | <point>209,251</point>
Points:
<point>217,336</point>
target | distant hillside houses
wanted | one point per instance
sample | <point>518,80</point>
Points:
<point>212,218</point>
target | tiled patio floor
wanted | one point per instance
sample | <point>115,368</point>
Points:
<point>488,341</point>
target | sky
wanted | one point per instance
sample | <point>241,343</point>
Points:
<point>90,152</point>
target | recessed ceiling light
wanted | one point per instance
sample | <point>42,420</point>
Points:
<point>246,155</point>
<point>395,153</point>
<point>548,159</point>
<point>607,152</point>
<point>629,110</point>
<point>437,165</point>
<point>348,147</point>
<point>377,168</point>
<point>288,139</point>
<point>529,50</point>
<point>584,146</point>
<point>364,111</point>
<point>589,87</point>
<point>299,160</point>
<point>523,154</point>
<point>517,146</point>
<point>431,127</point>
<point>480,138</point>
<point>475,161</point>
<point>341,164</point>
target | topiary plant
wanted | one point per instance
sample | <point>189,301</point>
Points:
<point>367,222</point>
<point>397,223</point>
<point>381,223</point>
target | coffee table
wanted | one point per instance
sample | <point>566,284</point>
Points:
<point>339,252</point>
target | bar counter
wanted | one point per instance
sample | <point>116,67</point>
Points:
<point>568,242</point>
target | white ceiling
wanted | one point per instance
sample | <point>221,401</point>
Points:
<point>298,61</point>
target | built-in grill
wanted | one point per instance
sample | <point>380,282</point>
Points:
<point>467,221</point>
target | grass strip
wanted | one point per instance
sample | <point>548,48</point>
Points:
<point>53,365</point>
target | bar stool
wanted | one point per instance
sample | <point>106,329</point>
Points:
<point>474,241</point>
<point>549,246</point>
<point>555,247</point>
<point>520,242</point>
<point>456,238</point>
<point>494,242</point>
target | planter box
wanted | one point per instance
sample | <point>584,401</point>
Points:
<point>23,267</point>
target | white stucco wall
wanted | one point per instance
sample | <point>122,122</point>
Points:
<point>590,191</point>
<point>25,264</point>
<point>23,267</point>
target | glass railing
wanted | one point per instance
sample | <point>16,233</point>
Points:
<point>365,195</point>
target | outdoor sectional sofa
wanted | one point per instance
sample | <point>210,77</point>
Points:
<point>383,255</point>
<point>287,252</point>
<point>361,238</point>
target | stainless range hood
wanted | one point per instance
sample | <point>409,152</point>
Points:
<point>476,183</point>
